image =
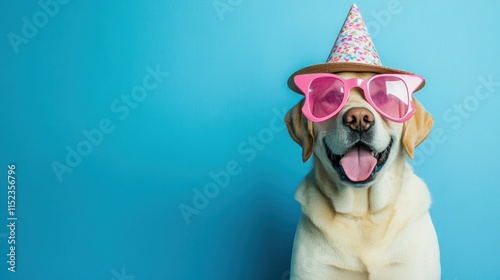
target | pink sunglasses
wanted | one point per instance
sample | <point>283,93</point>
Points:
<point>390,94</point>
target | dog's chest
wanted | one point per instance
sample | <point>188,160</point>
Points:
<point>361,233</point>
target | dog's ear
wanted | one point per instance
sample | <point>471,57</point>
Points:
<point>300,129</point>
<point>416,129</point>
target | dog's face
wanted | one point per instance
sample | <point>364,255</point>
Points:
<point>356,145</point>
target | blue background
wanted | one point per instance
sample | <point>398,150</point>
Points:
<point>116,215</point>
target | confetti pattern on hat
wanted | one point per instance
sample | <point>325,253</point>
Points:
<point>354,43</point>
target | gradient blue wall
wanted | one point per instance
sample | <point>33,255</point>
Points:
<point>117,113</point>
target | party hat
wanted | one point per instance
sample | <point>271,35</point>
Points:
<point>353,51</point>
<point>354,43</point>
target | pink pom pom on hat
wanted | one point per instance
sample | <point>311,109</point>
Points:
<point>353,51</point>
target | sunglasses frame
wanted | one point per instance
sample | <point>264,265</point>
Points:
<point>304,81</point>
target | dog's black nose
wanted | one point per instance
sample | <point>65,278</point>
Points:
<point>359,119</point>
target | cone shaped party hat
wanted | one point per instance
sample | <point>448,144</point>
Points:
<point>353,51</point>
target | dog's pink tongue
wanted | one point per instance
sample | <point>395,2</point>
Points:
<point>358,163</point>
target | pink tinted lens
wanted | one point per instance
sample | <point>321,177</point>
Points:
<point>325,96</point>
<point>390,95</point>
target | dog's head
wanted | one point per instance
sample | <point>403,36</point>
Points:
<point>357,144</point>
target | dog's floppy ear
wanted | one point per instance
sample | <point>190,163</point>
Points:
<point>300,129</point>
<point>416,129</point>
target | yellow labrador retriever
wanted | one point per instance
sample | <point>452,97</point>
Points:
<point>379,228</point>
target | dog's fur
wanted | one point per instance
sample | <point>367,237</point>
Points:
<point>376,230</point>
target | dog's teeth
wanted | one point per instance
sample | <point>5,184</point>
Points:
<point>374,154</point>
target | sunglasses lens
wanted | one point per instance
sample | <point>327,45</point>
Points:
<point>390,95</point>
<point>326,95</point>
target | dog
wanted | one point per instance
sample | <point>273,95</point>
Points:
<point>379,228</point>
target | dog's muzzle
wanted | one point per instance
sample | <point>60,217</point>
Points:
<point>360,163</point>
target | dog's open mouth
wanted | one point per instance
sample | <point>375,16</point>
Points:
<point>360,163</point>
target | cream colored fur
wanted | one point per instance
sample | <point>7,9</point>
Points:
<point>379,231</point>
